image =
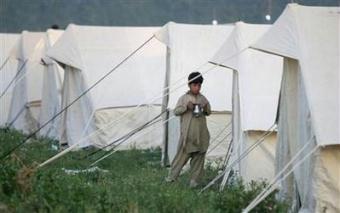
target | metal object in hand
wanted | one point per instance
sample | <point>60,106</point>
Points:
<point>197,110</point>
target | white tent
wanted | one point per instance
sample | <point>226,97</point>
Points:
<point>88,53</point>
<point>256,86</point>
<point>51,90</point>
<point>189,47</point>
<point>8,66</point>
<point>27,87</point>
<point>36,90</point>
<point>308,39</point>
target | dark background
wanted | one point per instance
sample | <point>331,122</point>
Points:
<point>38,15</point>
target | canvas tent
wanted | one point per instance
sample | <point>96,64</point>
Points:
<point>35,90</point>
<point>308,39</point>
<point>189,47</point>
<point>51,90</point>
<point>27,87</point>
<point>87,54</point>
<point>8,67</point>
<point>256,86</point>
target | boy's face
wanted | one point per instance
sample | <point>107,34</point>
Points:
<point>195,88</point>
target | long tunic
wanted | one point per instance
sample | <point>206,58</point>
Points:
<point>194,135</point>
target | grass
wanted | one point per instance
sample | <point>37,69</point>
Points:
<point>133,182</point>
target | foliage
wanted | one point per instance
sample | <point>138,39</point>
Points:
<point>129,181</point>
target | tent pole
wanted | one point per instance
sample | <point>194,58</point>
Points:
<point>226,162</point>
<point>165,159</point>
<point>5,62</point>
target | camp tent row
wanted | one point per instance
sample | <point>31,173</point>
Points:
<point>85,62</point>
<point>294,47</point>
<point>307,38</point>
<point>96,111</point>
<point>128,91</point>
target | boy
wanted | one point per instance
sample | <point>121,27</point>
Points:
<point>193,108</point>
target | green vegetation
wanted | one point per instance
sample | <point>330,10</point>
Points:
<point>128,181</point>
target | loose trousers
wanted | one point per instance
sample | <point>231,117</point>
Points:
<point>196,165</point>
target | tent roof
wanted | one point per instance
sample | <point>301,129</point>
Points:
<point>30,46</point>
<point>191,46</point>
<point>311,36</point>
<point>259,76</point>
<point>52,37</point>
<point>95,50</point>
<point>29,50</point>
<point>7,43</point>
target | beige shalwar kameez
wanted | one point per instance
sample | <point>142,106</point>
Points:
<point>194,137</point>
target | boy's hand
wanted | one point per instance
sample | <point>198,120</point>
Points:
<point>190,106</point>
<point>204,106</point>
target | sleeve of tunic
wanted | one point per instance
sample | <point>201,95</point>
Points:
<point>181,106</point>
